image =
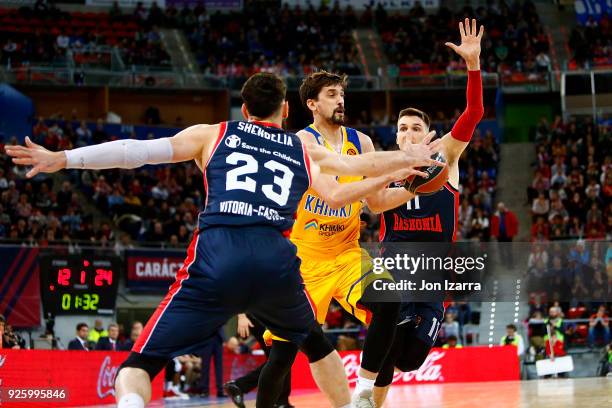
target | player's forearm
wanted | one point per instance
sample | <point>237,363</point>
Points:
<point>466,124</point>
<point>124,154</point>
<point>389,199</point>
<point>346,193</point>
<point>372,164</point>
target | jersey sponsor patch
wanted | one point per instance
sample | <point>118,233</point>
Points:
<point>432,224</point>
<point>324,229</point>
<point>318,206</point>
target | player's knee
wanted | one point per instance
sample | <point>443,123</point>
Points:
<point>412,360</point>
<point>385,376</point>
<point>282,355</point>
<point>316,346</point>
<point>151,365</point>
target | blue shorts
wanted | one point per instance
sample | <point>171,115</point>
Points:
<point>230,270</point>
<point>415,336</point>
<point>421,320</point>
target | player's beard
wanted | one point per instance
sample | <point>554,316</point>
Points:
<point>337,118</point>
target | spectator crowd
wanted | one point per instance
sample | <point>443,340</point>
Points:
<point>591,44</point>
<point>290,41</point>
<point>516,40</point>
<point>44,34</point>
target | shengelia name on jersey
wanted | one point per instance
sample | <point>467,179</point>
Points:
<point>253,129</point>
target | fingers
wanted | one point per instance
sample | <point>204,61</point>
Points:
<point>428,138</point>
<point>435,146</point>
<point>451,46</point>
<point>469,29</point>
<point>33,145</point>
<point>26,161</point>
<point>33,172</point>
<point>436,163</point>
<point>21,152</point>
<point>417,173</point>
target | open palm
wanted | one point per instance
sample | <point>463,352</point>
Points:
<point>469,49</point>
<point>41,159</point>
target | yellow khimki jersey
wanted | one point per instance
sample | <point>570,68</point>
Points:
<point>320,232</point>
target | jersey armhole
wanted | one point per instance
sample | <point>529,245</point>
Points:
<point>307,163</point>
<point>353,137</point>
<point>222,130</point>
<point>313,132</point>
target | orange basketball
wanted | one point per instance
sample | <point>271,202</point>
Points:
<point>438,175</point>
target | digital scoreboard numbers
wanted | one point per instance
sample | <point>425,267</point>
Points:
<point>79,284</point>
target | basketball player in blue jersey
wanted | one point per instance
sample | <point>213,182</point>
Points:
<point>427,218</point>
<point>239,260</point>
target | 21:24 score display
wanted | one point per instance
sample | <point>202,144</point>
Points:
<point>79,284</point>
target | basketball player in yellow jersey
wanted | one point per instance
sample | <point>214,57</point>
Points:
<point>333,264</point>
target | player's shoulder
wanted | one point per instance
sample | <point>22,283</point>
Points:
<point>206,127</point>
<point>365,141</point>
<point>305,136</point>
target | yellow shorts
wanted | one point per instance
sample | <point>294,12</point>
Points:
<point>344,278</point>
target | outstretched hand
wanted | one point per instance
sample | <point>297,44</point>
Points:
<point>421,153</point>
<point>41,159</point>
<point>469,49</point>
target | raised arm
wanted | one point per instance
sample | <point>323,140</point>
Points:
<point>459,137</point>
<point>193,143</point>
<point>370,164</point>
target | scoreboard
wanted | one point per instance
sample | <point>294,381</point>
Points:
<point>79,284</point>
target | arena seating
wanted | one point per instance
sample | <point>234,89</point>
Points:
<point>572,200</point>
<point>414,42</point>
<point>591,45</point>
<point>44,36</point>
<point>574,163</point>
<point>290,41</point>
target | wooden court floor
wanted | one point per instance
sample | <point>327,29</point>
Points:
<point>551,393</point>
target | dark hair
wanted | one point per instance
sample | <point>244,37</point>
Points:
<point>263,94</point>
<point>511,326</point>
<point>313,83</point>
<point>81,325</point>
<point>415,112</point>
<point>451,338</point>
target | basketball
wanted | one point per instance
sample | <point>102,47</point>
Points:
<point>438,175</point>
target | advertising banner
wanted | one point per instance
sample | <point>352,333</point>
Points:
<point>152,269</point>
<point>20,286</point>
<point>53,378</point>
<point>468,364</point>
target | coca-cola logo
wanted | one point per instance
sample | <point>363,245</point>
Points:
<point>351,367</point>
<point>429,371</point>
<point>106,378</point>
